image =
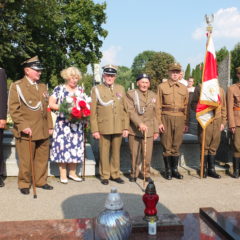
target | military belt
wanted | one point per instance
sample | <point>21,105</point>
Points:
<point>170,109</point>
<point>236,109</point>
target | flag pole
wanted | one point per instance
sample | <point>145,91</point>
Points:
<point>202,152</point>
<point>209,20</point>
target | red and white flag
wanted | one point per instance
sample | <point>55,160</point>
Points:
<point>209,97</point>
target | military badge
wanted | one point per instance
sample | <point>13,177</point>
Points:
<point>118,95</point>
<point>46,94</point>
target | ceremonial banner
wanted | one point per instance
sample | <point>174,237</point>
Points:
<point>209,97</point>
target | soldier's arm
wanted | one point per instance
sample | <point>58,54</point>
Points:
<point>133,116</point>
<point>186,106</point>
<point>159,105</point>
<point>223,108</point>
<point>14,109</point>
<point>230,112</point>
<point>3,95</point>
<point>125,112</point>
<point>93,115</point>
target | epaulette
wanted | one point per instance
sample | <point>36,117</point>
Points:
<point>18,81</point>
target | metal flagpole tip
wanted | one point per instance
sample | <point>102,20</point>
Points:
<point>209,20</point>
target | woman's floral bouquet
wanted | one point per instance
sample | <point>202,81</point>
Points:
<point>76,108</point>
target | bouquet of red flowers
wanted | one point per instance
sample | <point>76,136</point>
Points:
<point>75,108</point>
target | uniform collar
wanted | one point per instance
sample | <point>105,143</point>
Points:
<point>30,81</point>
<point>108,86</point>
<point>145,94</point>
<point>172,83</point>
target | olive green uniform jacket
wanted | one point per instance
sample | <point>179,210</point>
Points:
<point>40,121</point>
<point>111,119</point>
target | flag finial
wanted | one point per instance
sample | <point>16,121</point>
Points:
<point>209,21</point>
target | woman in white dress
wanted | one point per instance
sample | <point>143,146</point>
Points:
<point>67,147</point>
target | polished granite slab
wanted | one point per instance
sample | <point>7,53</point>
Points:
<point>194,226</point>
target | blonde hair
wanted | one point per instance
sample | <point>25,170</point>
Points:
<point>71,71</point>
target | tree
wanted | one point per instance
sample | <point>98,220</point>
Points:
<point>187,72</point>
<point>197,74</point>
<point>140,62</point>
<point>221,54</point>
<point>157,67</point>
<point>235,61</point>
<point>125,77</point>
<point>61,32</point>
<point>87,82</point>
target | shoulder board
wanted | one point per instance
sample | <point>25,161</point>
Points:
<point>131,91</point>
<point>18,81</point>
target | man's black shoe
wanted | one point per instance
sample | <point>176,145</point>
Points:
<point>46,187</point>
<point>24,191</point>
<point>118,180</point>
<point>104,181</point>
<point>147,179</point>
<point>132,179</point>
<point>1,182</point>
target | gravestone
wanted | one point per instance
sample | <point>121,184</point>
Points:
<point>224,150</point>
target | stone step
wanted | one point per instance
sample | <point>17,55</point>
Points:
<point>11,160</point>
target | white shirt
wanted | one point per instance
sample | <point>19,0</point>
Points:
<point>184,82</point>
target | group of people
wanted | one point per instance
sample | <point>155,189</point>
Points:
<point>140,114</point>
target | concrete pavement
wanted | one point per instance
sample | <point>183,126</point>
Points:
<point>86,199</point>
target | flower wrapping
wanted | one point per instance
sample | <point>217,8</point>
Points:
<point>76,107</point>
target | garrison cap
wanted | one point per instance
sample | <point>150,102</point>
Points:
<point>175,66</point>
<point>144,75</point>
<point>110,69</point>
<point>238,69</point>
<point>33,63</point>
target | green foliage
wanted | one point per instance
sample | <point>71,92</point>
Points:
<point>221,54</point>
<point>61,32</point>
<point>157,68</point>
<point>197,74</point>
<point>140,61</point>
<point>125,77</point>
<point>235,61</point>
<point>187,72</point>
<point>87,82</point>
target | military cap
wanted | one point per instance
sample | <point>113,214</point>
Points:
<point>33,63</point>
<point>175,66</point>
<point>238,69</point>
<point>110,69</point>
<point>144,75</point>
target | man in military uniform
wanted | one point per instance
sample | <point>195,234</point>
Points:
<point>213,132</point>
<point>3,116</point>
<point>28,103</point>
<point>141,108</point>
<point>109,123</point>
<point>233,107</point>
<point>172,101</point>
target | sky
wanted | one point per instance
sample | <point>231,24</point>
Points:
<point>177,27</point>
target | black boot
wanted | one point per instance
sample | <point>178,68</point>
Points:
<point>175,172</point>
<point>236,167</point>
<point>211,167</point>
<point>205,166</point>
<point>168,171</point>
<point>1,182</point>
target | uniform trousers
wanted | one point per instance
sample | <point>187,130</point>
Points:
<point>1,153</point>
<point>212,137</point>
<point>171,139</point>
<point>109,148</point>
<point>40,155</point>
<point>136,145</point>
<point>236,143</point>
